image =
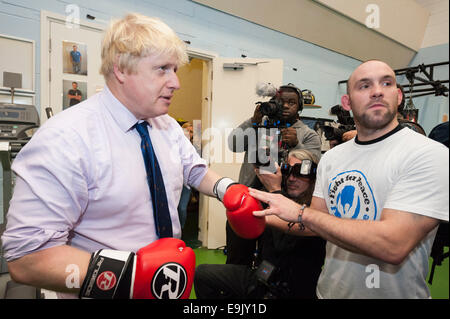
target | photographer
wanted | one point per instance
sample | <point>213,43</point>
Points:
<point>345,131</point>
<point>294,135</point>
<point>291,264</point>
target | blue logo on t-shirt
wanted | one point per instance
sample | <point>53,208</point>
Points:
<point>351,196</point>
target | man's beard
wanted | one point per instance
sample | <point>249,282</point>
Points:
<point>374,121</point>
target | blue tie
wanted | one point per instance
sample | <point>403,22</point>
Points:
<point>163,223</point>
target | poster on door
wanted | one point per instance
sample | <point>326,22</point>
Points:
<point>73,93</point>
<point>74,58</point>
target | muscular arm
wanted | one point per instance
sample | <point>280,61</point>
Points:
<point>390,239</point>
<point>274,221</point>
<point>71,96</point>
<point>49,269</point>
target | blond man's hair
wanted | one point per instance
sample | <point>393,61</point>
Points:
<point>302,154</point>
<point>135,36</point>
<point>186,125</point>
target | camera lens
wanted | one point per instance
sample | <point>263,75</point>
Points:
<point>268,108</point>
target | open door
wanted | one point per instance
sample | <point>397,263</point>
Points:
<point>233,101</point>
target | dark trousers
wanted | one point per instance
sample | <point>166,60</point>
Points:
<point>240,251</point>
<point>226,282</point>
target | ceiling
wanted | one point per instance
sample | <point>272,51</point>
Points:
<point>388,30</point>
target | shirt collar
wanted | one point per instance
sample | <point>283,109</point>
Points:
<point>119,112</point>
<point>378,139</point>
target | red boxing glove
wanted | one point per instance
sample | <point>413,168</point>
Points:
<point>240,207</point>
<point>162,270</point>
<point>167,266</point>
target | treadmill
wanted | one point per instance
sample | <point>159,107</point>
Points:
<point>18,122</point>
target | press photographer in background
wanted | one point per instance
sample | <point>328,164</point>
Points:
<point>283,111</point>
<point>288,266</point>
<point>345,129</point>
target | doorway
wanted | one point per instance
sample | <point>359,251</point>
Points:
<point>226,99</point>
<point>190,105</point>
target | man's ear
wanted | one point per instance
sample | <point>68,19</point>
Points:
<point>118,73</point>
<point>400,96</point>
<point>346,103</point>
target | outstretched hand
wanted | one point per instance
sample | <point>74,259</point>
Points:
<point>279,205</point>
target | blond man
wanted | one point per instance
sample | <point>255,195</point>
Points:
<point>82,184</point>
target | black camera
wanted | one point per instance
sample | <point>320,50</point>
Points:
<point>268,133</point>
<point>346,123</point>
<point>273,109</point>
<point>267,275</point>
<point>270,149</point>
<point>335,133</point>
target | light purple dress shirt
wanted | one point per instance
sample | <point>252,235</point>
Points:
<point>81,180</point>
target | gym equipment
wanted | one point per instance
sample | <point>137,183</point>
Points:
<point>17,124</point>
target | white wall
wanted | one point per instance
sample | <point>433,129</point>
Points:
<point>207,29</point>
<point>437,29</point>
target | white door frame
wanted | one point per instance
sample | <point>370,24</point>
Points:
<point>210,58</point>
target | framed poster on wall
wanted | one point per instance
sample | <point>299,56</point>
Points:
<point>74,58</point>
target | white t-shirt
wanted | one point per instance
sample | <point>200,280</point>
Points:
<point>405,171</point>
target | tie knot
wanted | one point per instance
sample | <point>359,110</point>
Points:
<point>142,128</point>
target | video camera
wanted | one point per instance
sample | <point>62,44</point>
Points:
<point>268,132</point>
<point>345,121</point>
<point>272,110</point>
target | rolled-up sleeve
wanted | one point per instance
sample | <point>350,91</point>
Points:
<point>50,194</point>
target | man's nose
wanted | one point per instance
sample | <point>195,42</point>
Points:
<point>174,82</point>
<point>291,177</point>
<point>377,91</point>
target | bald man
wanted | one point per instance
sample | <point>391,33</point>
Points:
<point>378,198</point>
